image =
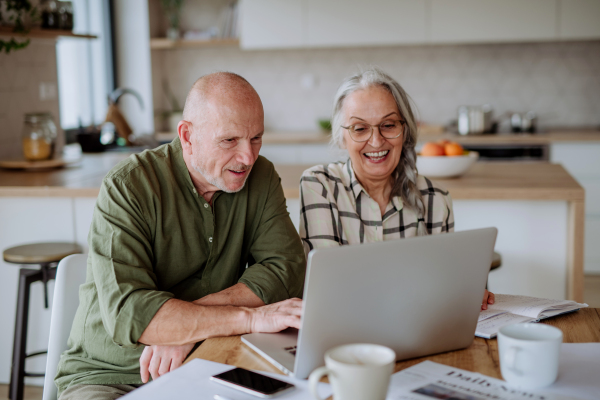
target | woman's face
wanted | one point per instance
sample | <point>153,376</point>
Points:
<point>377,158</point>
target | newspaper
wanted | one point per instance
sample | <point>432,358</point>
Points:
<point>429,380</point>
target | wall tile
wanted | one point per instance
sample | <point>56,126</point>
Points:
<point>559,81</point>
<point>21,73</point>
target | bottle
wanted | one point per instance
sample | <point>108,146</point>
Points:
<point>38,136</point>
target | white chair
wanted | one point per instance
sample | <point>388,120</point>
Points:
<point>70,274</point>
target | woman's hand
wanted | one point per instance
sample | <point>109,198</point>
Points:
<point>488,298</point>
<point>158,360</point>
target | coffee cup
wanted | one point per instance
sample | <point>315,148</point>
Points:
<point>529,354</point>
<point>356,371</point>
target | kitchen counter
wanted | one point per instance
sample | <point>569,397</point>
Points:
<point>60,203</point>
<point>82,179</point>
<point>507,180</point>
<point>486,181</point>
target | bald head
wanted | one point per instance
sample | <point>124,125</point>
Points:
<point>219,89</point>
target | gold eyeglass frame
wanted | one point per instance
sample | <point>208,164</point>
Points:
<point>351,128</point>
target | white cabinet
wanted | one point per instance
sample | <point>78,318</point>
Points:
<point>272,24</point>
<point>334,23</point>
<point>459,21</point>
<point>582,160</point>
<point>360,23</point>
<point>579,19</point>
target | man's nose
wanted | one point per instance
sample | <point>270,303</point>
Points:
<point>376,139</point>
<point>246,154</point>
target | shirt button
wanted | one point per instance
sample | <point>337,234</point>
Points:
<point>210,239</point>
<point>194,190</point>
<point>205,205</point>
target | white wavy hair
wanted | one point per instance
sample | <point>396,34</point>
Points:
<point>405,179</point>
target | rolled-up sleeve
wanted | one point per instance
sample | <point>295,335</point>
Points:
<point>280,265</point>
<point>121,260</point>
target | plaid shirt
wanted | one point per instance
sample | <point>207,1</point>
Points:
<point>337,210</point>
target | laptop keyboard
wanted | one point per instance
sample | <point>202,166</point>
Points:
<point>291,350</point>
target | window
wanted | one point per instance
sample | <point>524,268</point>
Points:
<point>85,67</point>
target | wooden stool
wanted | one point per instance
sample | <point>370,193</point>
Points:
<point>47,255</point>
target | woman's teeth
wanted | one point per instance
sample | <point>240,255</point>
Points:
<point>378,155</point>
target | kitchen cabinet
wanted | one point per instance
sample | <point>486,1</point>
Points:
<point>356,23</point>
<point>464,21</point>
<point>579,19</point>
<point>332,23</point>
<point>272,24</point>
<point>582,160</point>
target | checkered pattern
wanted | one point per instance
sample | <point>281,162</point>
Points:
<point>336,210</point>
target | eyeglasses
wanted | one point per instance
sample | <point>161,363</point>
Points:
<point>389,129</point>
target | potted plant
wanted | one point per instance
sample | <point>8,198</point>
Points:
<point>16,13</point>
<point>172,8</point>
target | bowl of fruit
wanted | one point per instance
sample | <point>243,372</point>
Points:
<point>444,159</point>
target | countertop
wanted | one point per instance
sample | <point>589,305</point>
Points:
<point>501,138</point>
<point>505,180</point>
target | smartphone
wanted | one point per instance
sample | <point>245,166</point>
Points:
<point>252,383</point>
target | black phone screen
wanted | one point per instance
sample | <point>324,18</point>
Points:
<point>252,380</point>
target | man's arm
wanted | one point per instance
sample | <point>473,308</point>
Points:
<point>178,322</point>
<point>279,261</point>
<point>157,360</point>
<point>237,295</point>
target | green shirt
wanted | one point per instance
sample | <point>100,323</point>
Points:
<point>153,238</point>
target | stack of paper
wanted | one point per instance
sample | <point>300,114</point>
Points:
<point>510,309</point>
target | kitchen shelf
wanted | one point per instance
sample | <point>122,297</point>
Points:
<point>164,43</point>
<point>38,33</point>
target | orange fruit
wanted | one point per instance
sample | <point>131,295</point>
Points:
<point>431,149</point>
<point>453,149</point>
<point>443,142</point>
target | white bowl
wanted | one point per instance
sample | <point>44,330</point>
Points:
<point>446,166</point>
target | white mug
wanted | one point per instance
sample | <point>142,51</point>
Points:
<point>356,372</point>
<point>529,353</point>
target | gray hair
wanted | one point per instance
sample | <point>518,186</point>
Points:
<point>405,179</point>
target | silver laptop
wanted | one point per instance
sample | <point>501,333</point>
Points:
<point>418,296</point>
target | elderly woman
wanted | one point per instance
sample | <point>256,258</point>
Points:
<point>377,194</point>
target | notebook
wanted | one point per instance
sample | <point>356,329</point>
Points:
<point>510,309</point>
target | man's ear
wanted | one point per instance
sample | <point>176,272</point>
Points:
<point>184,130</point>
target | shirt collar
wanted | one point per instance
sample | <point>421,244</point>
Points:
<point>353,183</point>
<point>180,169</point>
<point>357,188</point>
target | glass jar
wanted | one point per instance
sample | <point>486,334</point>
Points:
<point>39,136</point>
<point>50,15</point>
<point>65,12</point>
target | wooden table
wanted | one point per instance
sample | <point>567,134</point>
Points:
<point>482,356</point>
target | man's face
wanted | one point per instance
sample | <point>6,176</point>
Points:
<point>226,141</point>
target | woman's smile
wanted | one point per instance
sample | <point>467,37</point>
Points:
<point>377,156</point>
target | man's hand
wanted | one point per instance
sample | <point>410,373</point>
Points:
<point>276,317</point>
<point>488,298</point>
<point>158,360</point>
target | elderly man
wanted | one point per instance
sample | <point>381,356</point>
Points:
<point>188,241</point>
